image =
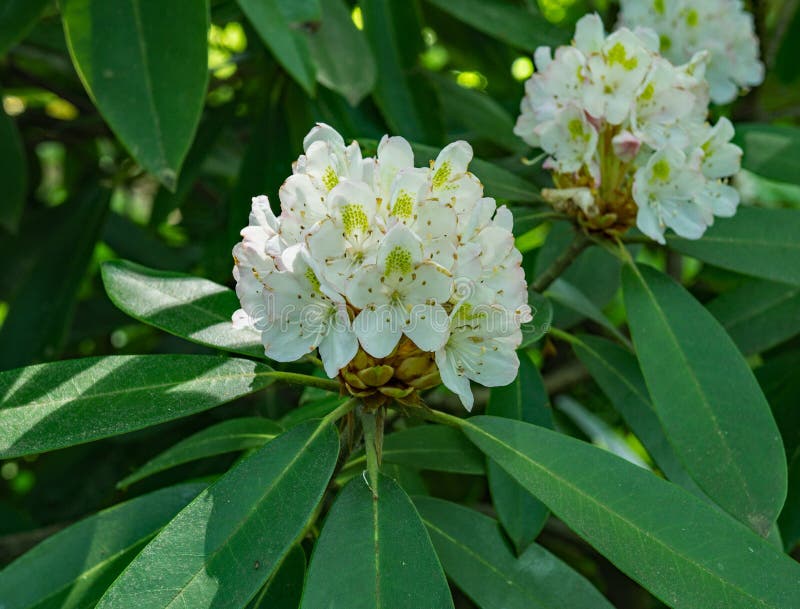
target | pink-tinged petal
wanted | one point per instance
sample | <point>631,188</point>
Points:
<point>428,326</point>
<point>379,329</point>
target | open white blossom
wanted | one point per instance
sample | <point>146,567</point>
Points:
<point>401,277</point>
<point>721,27</point>
<point>627,134</point>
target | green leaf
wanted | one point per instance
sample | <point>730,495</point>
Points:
<point>506,21</point>
<point>564,293</point>
<point>228,436</point>
<point>477,559</point>
<point>72,569</point>
<point>190,307</point>
<point>70,402</point>
<point>208,135</point>
<point>781,385</point>
<point>42,308</point>
<point>298,12</point>
<point>595,272</point>
<point>430,447</point>
<point>17,18</point>
<point>340,50</point>
<point>618,374</point>
<point>145,64</point>
<point>13,167</point>
<point>771,151</point>
<point>521,514</point>
<point>288,46</point>
<point>219,551</point>
<point>707,399</point>
<point>536,328</point>
<point>686,552</point>
<point>478,112</point>
<point>756,241</point>
<point>404,95</point>
<point>758,314</point>
<point>284,589</point>
<point>373,552</point>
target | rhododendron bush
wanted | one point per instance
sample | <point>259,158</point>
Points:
<point>334,304</point>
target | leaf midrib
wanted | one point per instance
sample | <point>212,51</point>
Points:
<point>699,390</point>
<point>226,542</point>
<point>513,582</point>
<point>93,396</point>
<point>148,83</point>
<point>604,509</point>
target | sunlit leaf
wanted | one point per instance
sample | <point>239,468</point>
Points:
<point>221,549</point>
<point>70,402</point>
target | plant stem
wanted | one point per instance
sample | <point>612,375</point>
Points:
<point>373,444</point>
<point>560,264</point>
<point>306,379</point>
<point>437,416</point>
<point>339,412</point>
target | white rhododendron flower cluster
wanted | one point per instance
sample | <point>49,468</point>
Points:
<point>722,27</point>
<point>400,276</point>
<point>627,135</point>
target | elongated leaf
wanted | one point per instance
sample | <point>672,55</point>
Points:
<point>287,45</point>
<point>190,307</point>
<point>478,560</point>
<point>759,314</point>
<point>506,21</point>
<point>42,308</point>
<point>340,50</point>
<point>707,399</point>
<point>758,242</point>
<point>13,168</point>
<point>389,561</point>
<point>772,151</point>
<point>404,95</point>
<point>617,372</point>
<point>17,17</point>
<point>227,436</point>
<point>71,569</point>
<point>595,272</point>
<point>683,550</point>
<point>781,385</point>
<point>431,447</point>
<point>147,76</point>
<point>568,295</point>
<point>521,514</point>
<point>69,402</point>
<point>284,589</point>
<point>478,113</point>
<point>223,547</point>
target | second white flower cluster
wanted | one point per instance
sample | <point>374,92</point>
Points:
<point>619,121</point>
<point>368,250</point>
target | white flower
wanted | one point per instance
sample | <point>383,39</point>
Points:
<point>376,263</point>
<point>626,134</point>
<point>722,27</point>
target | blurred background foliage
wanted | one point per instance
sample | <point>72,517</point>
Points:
<point>81,186</point>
